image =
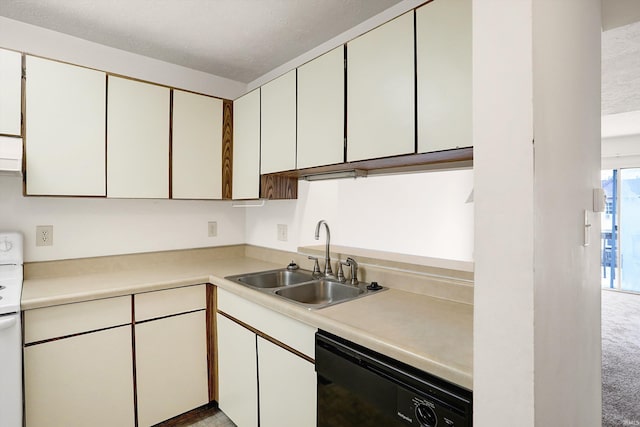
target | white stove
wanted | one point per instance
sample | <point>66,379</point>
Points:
<point>11,276</point>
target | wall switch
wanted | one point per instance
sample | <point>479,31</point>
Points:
<point>282,232</point>
<point>44,235</point>
<point>213,228</point>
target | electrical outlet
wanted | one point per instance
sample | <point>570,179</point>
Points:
<point>44,235</point>
<point>282,232</point>
<point>213,228</point>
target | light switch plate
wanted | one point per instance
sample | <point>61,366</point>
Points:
<point>282,232</point>
<point>599,200</point>
<point>213,228</point>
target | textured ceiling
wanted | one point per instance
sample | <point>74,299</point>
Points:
<point>237,39</point>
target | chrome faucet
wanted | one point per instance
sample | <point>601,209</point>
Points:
<point>327,260</point>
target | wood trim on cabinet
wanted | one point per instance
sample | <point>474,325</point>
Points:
<point>284,185</point>
<point>212,348</point>
<point>133,357</point>
<point>275,186</point>
<point>227,150</point>
<point>268,337</point>
<point>170,143</point>
<point>23,129</point>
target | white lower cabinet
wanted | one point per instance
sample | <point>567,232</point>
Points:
<point>260,382</point>
<point>171,353</point>
<point>79,359</point>
<point>287,387</point>
<point>237,372</point>
<point>171,366</point>
<point>84,380</point>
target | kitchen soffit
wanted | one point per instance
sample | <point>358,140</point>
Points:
<point>237,39</point>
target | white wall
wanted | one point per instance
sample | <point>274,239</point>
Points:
<point>537,292</point>
<point>85,227</point>
<point>423,214</point>
<point>38,41</point>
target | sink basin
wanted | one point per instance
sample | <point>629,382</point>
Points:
<point>274,279</point>
<point>301,287</point>
<point>320,292</point>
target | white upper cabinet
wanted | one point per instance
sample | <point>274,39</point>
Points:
<point>137,139</point>
<point>278,124</point>
<point>196,146</point>
<point>246,146</point>
<point>443,37</point>
<point>65,129</point>
<point>321,110</point>
<point>380,91</point>
<point>10,92</point>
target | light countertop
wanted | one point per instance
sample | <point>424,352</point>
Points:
<point>432,334</point>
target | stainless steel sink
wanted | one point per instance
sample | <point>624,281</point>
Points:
<point>274,278</point>
<point>302,287</point>
<point>320,292</point>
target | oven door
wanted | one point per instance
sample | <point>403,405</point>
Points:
<point>10,370</point>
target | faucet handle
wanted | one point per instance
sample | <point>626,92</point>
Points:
<point>354,270</point>
<point>340,275</point>
<point>316,267</point>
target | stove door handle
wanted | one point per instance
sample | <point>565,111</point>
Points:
<point>7,323</point>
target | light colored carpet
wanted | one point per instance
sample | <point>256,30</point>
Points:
<point>620,359</point>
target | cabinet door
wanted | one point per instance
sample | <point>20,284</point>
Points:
<point>137,139</point>
<point>380,91</point>
<point>196,150</point>
<point>237,372</point>
<point>287,387</point>
<point>11,90</point>
<point>246,146</point>
<point>443,37</point>
<point>278,124</point>
<point>85,380</point>
<point>321,110</point>
<point>171,366</point>
<point>65,127</point>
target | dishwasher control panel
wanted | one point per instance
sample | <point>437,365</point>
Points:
<point>417,409</point>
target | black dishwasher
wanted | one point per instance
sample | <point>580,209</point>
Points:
<point>361,388</point>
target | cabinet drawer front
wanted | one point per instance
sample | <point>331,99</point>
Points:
<point>62,320</point>
<point>291,332</point>
<point>156,304</point>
